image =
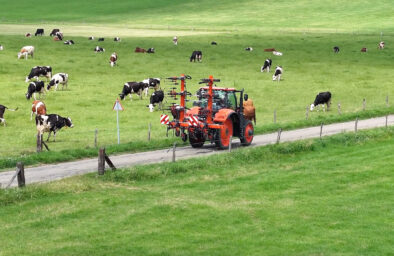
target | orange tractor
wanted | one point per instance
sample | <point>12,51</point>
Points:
<point>216,116</point>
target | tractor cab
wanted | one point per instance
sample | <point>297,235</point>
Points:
<point>222,98</point>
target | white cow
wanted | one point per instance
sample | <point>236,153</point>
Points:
<point>25,51</point>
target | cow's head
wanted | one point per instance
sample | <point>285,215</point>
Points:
<point>121,95</point>
<point>27,79</point>
<point>51,83</point>
<point>151,107</point>
<point>69,122</point>
<point>20,55</point>
<point>28,95</point>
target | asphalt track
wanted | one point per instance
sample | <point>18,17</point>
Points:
<point>47,173</point>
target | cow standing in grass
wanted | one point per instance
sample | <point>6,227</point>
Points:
<point>33,88</point>
<point>151,83</point>
<point>336,49</point>
<point>267,65</point>
<point>39,32</point>
<point>132,87</point>
<point>2,110</point>
<point>38,71</point>
<point>99,49</point>
<point>157,97</point>
<point>321,99</point>
<point>113,59</point>
<point>381,45</point>
<point>52,123</point>
<point>196,55</point>
<point>25,51</point>
<point>59,78</point>
<point>278,73</point>
<point>38,108</point>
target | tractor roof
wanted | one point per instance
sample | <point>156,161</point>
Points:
<point>219,88</point>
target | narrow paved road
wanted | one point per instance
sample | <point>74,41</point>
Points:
<point>52,172</point>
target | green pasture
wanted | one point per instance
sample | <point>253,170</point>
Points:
<point>300,15</point>
<point>329,197</point>
<point>309,66</point>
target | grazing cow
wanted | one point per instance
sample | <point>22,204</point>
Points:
<point>58,36</point>
<point>175,40</point>
<point>28,35</point>
<point>33,88</point>
<point>269,50</point>
<point>267,65</point>
<point>101,39</point>
<point>363,49</point>
<point>1,47</point>
<point>2,110</point>
<point>59,78</point>
<point>132,87</point>
<point>277,53</point>
<point>214,43</point>
<point>39,32</point>
<point>196,55</point>
<point>381,45</point>
<point>151,50</point>
<point>113,59</point>
<point>69,42</point>
<point>91,37</point>
<point>117,39</point>
<point>156,98</point>
<point>52,123</point>
<point>38,108</point>
<point>54,31</point>
<point>278,73</point>
<point>321,99</point>
<point>38,71</point>
<point>25,51</point>
<point>99,49</point>
<point>249,49</point>
<point>138,49</point>
<point>336,49</point>
<point>153,83</point>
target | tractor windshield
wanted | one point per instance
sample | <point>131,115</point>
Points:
<point>221,99</point>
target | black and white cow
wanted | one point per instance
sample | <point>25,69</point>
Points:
<point>157,97</point>
<point>117,39</point>
<point>38,71</point>
<point>52,123</point>
<point>99,49</point>
<point>321,99</point>
<point>91,38</point>
<point>151,83</point>
<point>151,50</point>
<point>249,49</point>
<point>196,55</point>
<point>336,49</point>
<point>59,78</point>
<point>132,87</point>
<point>278,73</point>
<point>59,35</point>
<point>69,42</point>
<point>39,32</point>
<point>214,43</point>
<point>54,31</point>
<point>101,39</point>
<point>2,110</point>
<point>267,65</point>
<point>33,88</point>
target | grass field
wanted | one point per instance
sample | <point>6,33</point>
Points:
<point>329,197</point>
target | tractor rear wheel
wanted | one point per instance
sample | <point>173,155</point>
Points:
<point>247,136</point>
<point>223,135</point>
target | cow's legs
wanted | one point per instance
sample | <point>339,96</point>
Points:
<point>160,107</point>
<point>31,116</point>
<point>54,136</point>
<point>49,135</point>
<point>328,105</point>
<point>268,69</point>
<point>131,97</point>
<point>140,93</point>
<point>2,120</point>
<point>34,96</point>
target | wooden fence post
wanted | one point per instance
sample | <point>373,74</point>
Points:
<point>101,161</point>
<point>279,133</point>
<point>95,138</point>
<point>229,146</point>
<point>339,108</point>
<point>364,104</point>
<point>307,113</point>
<point>355,125</point>
<point>321,130</point>
<point>275,116</point>
<point>39,142</point>
<point>149,128</point>
<point>173,152</point>
<point>21,174</point>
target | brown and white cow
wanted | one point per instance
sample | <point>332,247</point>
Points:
<point>138,49</point>
<point>381,45</point>
<point>25,51</point>
<point>38,108</point>
<point>113,59</point>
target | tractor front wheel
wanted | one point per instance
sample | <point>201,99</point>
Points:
<point>224,134</point>
<point>247,136</point>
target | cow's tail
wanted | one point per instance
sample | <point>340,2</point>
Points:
<point>12,109</point>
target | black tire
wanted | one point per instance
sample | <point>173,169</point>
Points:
<point>248,132</point>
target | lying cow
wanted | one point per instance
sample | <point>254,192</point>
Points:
<point>336,49</point>
<point>69,42</point>
<point>117,39</point>
<point>157,97</point>
<point>151,83</point>
<point>132,87</point>
<point>59,78</point>
<point>99,49</point>
<point>214,43</point>
<point>2,110</point>
<point>270,50</point>
<point>38,108</point>
<point>277,53</point>
<point>28,35</point>
<point>278,73</point>
<point>91,38</point>
<point>321,99</point>
<point>151,50</point>
<point>138,49</point>
<point>52,123</point>
<point>113,59</point>
<point>196,55</point>
<point>33,88</point>
<point>54,31</point>
<point>25,51</point>
<point>267,65</point>
<point>381,45</point>
<point>101,39</point>
<point>249,49</point>
<point>363,49</point>
<point>39,32</point>
<point>38,71</point>
<point>58,36</point>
